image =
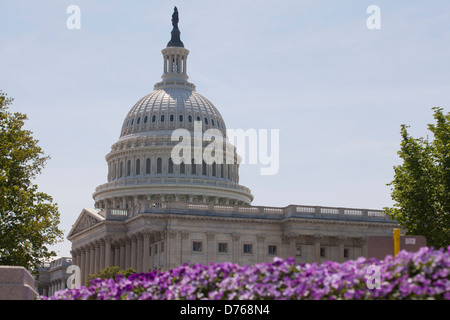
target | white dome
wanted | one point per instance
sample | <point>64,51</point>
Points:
<point>140,164</point>
<point>169,109</point>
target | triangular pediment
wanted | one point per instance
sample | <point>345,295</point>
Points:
<point>86,219</point>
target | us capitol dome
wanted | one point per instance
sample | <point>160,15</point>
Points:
<point>157,213</point>
<point>140,166</point>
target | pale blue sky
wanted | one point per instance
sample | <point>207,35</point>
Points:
<point>337,91</point>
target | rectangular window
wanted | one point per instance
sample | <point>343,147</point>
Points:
<point>272,249</point>
<point>346,253</point>
<point>248,248</point>
<point>197,246</point>
<point>322,252</point>
<point>298,251</point>
<point>223,247</point>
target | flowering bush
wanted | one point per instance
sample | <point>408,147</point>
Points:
<point>419,275</point>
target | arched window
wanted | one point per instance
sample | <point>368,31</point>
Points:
<point>180,118</point>
<point>182,168</point>
<point>190,118</point>
<point>171,118</point>
<point>138,166</point>
<point>153,118</point>
<point>204,168</point>
<point>162,118</point>
<point>138,120</point>
<point>206,121</point>
<point>159,165</point>
<point>128,167</point>
<point>121,170</point>
<point>145,119</point>
<point>147,166</point>
<point>193,167</point>
<point>170,165</point>
<point>212,122</point>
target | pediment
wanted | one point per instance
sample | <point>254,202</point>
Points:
<point>86,219</point>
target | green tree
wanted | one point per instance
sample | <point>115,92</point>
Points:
<point>110,273</point>
<point>28,218</point>
<point>421,185</point>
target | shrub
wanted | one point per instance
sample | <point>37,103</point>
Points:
<point>419,275</point>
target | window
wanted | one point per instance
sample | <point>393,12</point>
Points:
<point>156,248</point>
<point>180,118</point>
<point>206,121</point>
<point>298,251</point>
<point>170,165</point>
<point>182,168</point>
<point>346,255</point>
<point>198,118</point>
<point>190,118</point>
<point>162,118</point>
<point>197,246</point>
<point>145,119</point>
<point>138,166</point>
<point>204,168</point>
<point>248,248</point>
<point>272,249</point>
<point>153,118</point>
<point>128,167</point>
<point>138,120</point>
<point>193,167</point>
<point>121,170</point>
<point>162,246</point>
<point>147,166</point>
<point>214,169</point>
<point>218,123</point>
<point>159,165</point>
<point>212,122</point>
<point>171,118</point>
<point>223,247</point>
<point>322,252</point>
<point>132,121</point>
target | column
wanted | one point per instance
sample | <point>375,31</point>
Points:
<point>122,253</point>
<point>116,254</point>
<point>235,255</point>
<point>107,251</point>
<point>97,257</point>
<point>185,253</point>
<point>341,249</point>
<point>261,252</point>
<point>82,265</point>
<point>127,253</point>
<point>146,257</point>
<point>317,238</point>
<point>139,253</point>
<point>133,252</point>
<point>92,259</point>
<point>210,249</point>
<point>102,254</point>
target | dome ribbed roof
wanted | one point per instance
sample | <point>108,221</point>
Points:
<point>169,109</point>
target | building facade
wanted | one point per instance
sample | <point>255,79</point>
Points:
<point>157,213</point>
<point>53,276</point>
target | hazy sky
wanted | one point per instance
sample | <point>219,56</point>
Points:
<point>337,90</point>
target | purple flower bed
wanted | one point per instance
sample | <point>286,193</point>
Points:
<point>420,275</point>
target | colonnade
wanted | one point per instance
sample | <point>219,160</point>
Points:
<point>125,252</point>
